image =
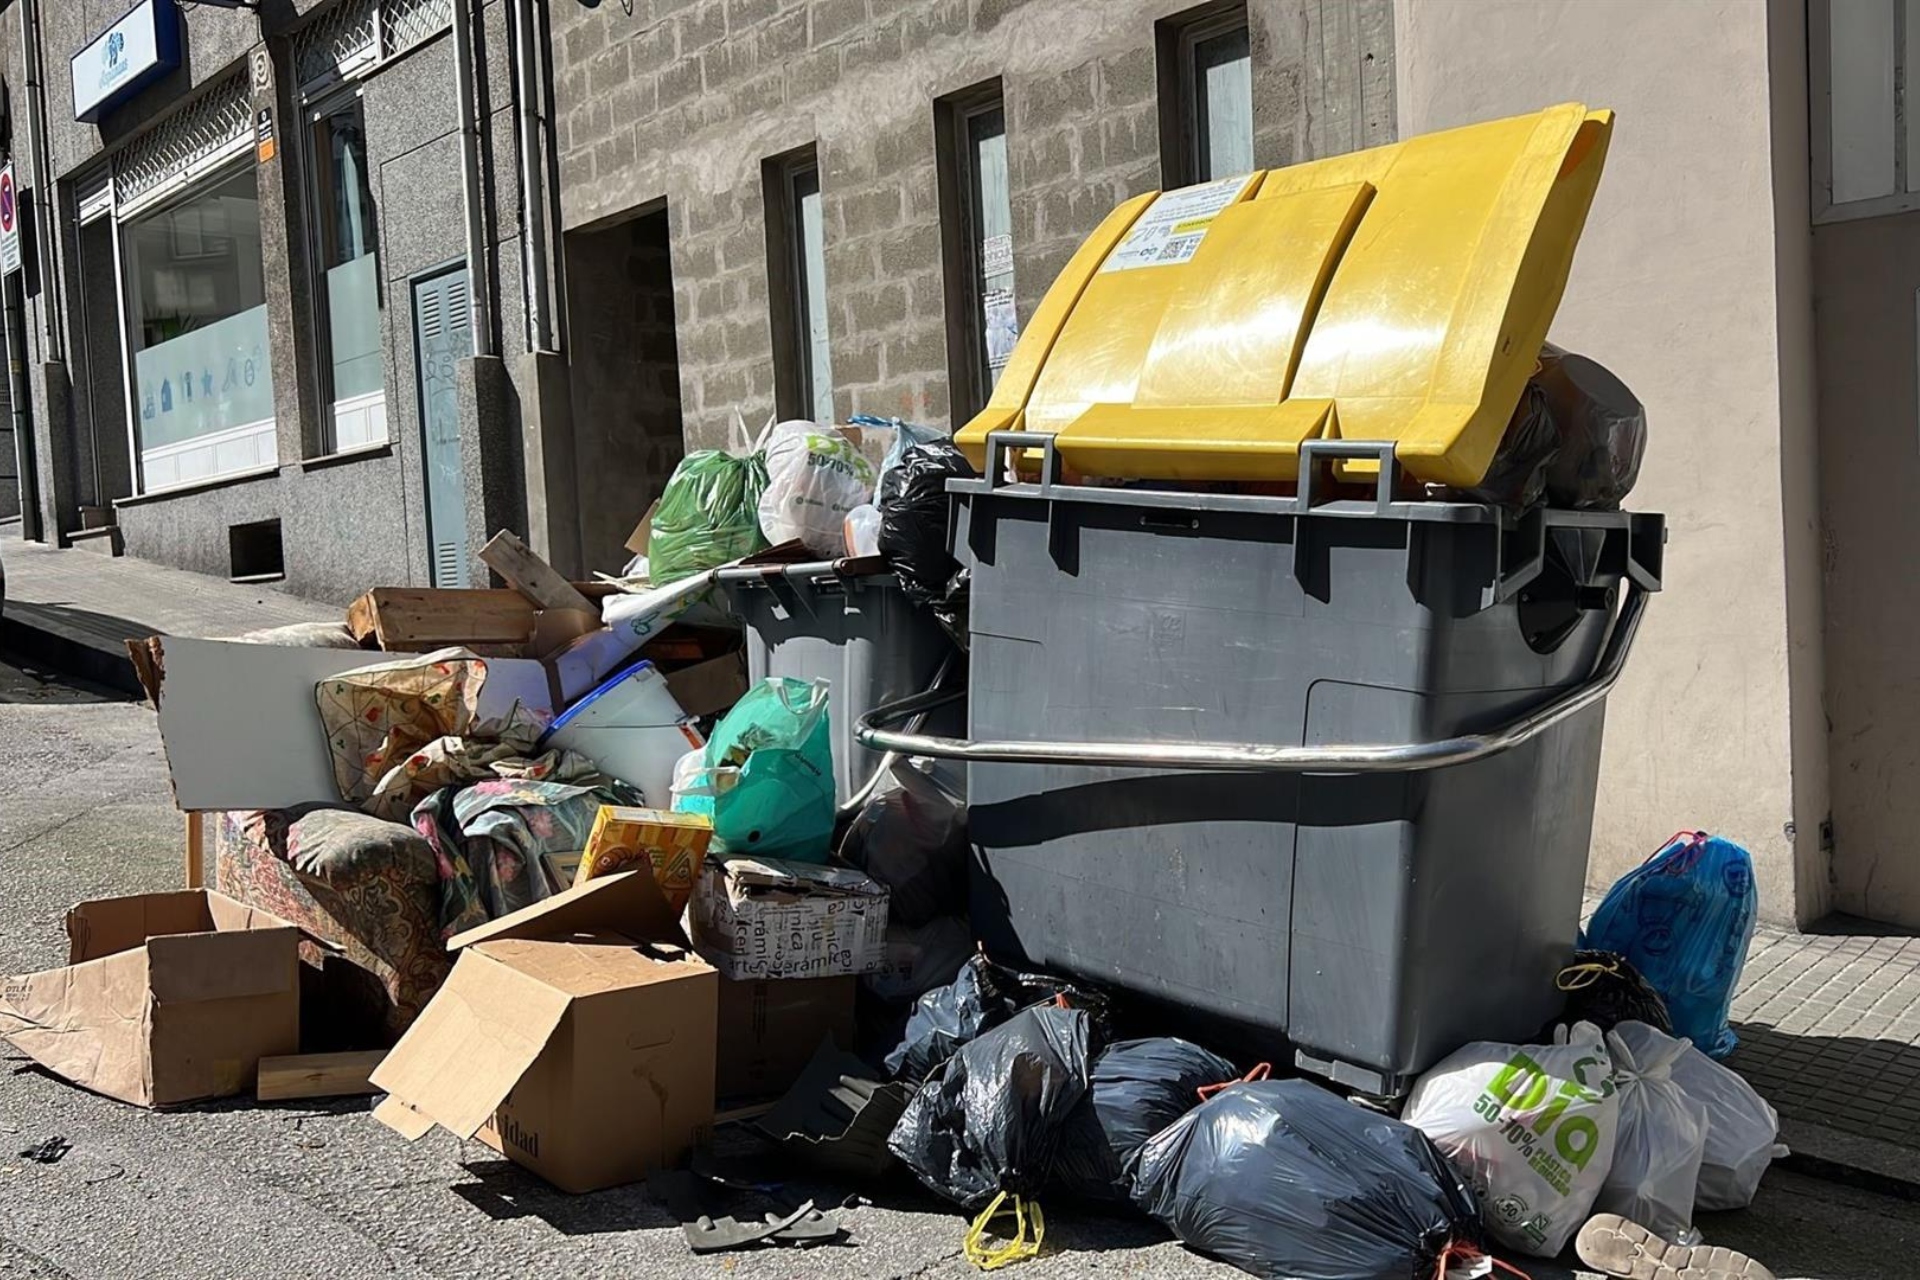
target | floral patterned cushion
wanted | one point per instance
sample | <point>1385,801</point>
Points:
<point>367,894</point>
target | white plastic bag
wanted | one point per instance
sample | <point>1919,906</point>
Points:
<point>1742,1132</point>
<point>815,476</point>
<point>863,530</point>
<point>1663,1135</point>
<point>1532,1127</point>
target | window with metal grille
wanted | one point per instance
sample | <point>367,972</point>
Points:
<point>194,141</point>
<point>355,36</point>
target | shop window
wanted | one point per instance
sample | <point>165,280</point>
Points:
<point>1206,94</point>
<point>346,236</point>
<point>977,217</point>
<point>797,271</point>
<point>203,376</point>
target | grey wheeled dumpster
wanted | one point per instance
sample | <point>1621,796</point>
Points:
<point>1318,774</point>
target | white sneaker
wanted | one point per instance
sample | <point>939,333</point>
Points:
<point>1622,1248</point>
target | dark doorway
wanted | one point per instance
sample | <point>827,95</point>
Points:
<point>626,379</point>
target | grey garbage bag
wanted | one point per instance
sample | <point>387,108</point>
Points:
<point>1602,428</point>
<point>913,839</point>
<point>990,1119</point>
<point>1283,1179</point>
<point>1139,1087</point>
<point>981,998</point>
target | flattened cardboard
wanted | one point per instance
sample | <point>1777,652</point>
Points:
<point>576,1036</point>
<point>169,998</point>
<point>710,687</point>
<point>769,1029</point>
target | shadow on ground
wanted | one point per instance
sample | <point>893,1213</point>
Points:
<point>1866,1087</point>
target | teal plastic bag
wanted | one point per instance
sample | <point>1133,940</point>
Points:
<point>770,773</point>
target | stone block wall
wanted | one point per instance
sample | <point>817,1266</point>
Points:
<point>684,101</point>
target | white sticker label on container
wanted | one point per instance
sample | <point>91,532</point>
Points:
<point>1171,229</point>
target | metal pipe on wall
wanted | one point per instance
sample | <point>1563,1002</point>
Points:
<point>533,218</point>
<point>43,222</point>
<point>479,284</point>
<point>32,529</point>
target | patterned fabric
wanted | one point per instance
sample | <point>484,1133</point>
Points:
<point>374,903</point>
<point>401,730</point>
<point>488,838</point>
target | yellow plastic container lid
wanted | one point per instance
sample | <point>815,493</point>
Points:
<point>1399,293</point>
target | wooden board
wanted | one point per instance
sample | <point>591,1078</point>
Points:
<point>422,619</point>
<point>531,576</point>
<point>317,1075</point>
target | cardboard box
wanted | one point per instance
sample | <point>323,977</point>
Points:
<point>166,998</point>
<point>769,918</point>
<point>578,1033</point>
<point>673,846</point>
<point>770,1028</point>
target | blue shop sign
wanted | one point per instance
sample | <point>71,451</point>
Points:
<point>126,58</point>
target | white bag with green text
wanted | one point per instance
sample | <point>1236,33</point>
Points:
<point>815,476</point>
<point>1531,1127</point>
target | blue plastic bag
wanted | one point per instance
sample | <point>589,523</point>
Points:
<point>1684,919</point>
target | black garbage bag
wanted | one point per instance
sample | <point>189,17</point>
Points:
<point>1282,1178</point>
<point>1604,989</point>
<point>990,1120</point>
<point>981,998</point>
<point>913,519</point>
<point>1139,1088</point>
<point>1602,428</point>
<point>1518,474</point>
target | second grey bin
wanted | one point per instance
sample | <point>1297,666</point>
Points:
<point>843,622</point>
<point>1371,915</point>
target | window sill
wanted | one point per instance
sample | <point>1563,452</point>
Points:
<point>197,486</point>
<point>359,453</point>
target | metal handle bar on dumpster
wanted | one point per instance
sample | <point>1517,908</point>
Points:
<point>1408,757</point>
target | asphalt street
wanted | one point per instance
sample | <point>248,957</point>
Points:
<point>304,1190</point>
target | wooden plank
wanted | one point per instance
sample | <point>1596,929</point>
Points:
<point>421,619</point>
<point>528,574</point>
<point>196,864</point>
<point>317,1075</point>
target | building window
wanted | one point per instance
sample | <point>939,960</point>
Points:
<point>977,215</point>
<point>1206,94</point>
<point>346,237</point>
<point>797,269</point>
<point>1866,151</point>
<point>203,378</point>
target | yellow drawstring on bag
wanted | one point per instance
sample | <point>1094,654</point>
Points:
<point>991,1255</point>
<point>1575,977</point>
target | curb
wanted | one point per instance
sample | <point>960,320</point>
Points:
<point>36,632</point>
<point>1867,1164</point>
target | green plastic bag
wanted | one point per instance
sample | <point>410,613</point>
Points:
<point>770,773</point>
<point>708,516</point>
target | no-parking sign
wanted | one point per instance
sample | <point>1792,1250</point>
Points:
<point>9,221</point>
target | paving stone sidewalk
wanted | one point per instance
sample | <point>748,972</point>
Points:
<point>1829,1026</point>
<point>77,609</point>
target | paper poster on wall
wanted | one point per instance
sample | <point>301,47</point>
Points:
<point>1003,328</point>
<point>996,256</point>
<point>1171,229</point>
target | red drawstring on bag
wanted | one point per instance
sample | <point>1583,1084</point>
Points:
<point>1461,1251</point>
<point>1260,1072</point>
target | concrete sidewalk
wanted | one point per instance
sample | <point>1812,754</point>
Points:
<point>75,610</point>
